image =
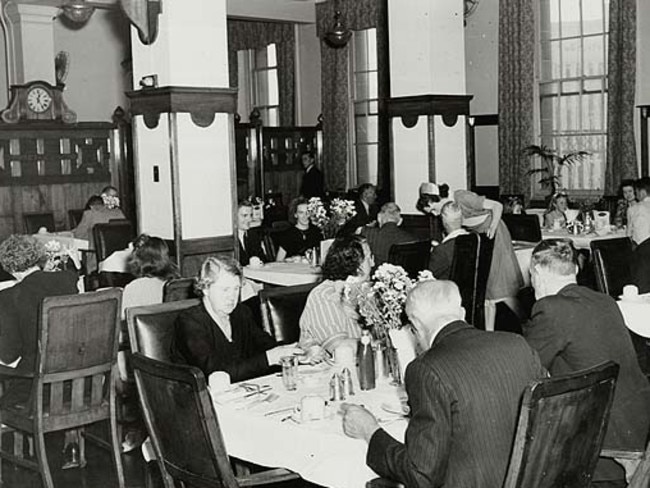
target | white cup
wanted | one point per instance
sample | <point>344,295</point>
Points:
<point>630,291</point>
<point>219,381</point>
<point>255,262</point>
<point>312,407</point>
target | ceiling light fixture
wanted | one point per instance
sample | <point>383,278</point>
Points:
<point>78,11</point>
<point>339,35</point>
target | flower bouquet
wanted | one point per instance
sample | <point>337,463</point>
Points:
<point>330,221</point>
<point>57,256</point>
<point>111,201</point>
<point>380,304</point>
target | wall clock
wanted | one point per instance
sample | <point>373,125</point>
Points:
<point>37,101</point>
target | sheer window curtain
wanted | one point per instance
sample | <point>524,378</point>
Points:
<point>255,35</point>
<point>516,92</point>
<point>621,146</point>
<point>355,15</point>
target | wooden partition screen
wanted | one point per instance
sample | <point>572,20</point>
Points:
<point>51,168</point>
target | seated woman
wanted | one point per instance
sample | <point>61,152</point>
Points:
<point>626,201</point>
<point>99,210</point>
<point>24,257</point>
<point>302,236</point>
<point>555,216</point>
<point>219,334</point>
<point>328,317</point>
<point>150,263</point>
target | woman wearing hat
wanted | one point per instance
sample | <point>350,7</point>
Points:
<point>483,215</point>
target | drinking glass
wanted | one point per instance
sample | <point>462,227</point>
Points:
<point>289,372</point>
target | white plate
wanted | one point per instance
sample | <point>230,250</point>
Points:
<point>637,299</point>
<point>401,408</point>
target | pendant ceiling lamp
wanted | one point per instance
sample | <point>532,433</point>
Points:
<point>78,11</point>
<point>339,35</point>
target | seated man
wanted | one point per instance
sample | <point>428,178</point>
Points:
<point>574,328</point>
<point>464,394</point>
<point>380,239</point>
<point>638,218</point>
<point>443,254</point>
<point>365,207</point>
<point>251,242</point>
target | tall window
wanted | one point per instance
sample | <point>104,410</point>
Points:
<point>258,82</point>
<point>364,107</point>
<point>573,85</point>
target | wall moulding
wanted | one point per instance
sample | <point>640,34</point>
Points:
<point>201,103</point>
<point>409,109</point>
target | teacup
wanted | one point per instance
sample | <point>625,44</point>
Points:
<point>219,381</point>
<point>630,292</point>
<point>255,262</point>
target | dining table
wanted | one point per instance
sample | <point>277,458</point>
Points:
<point>283,273</point>
<point>267,428</point>
<point>582,240</point>
<point>636,311</point>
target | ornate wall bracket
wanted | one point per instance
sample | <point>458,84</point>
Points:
<point>201,103</point>
<point>409,109</point>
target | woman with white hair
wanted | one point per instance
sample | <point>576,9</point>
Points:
<point>220,333</point>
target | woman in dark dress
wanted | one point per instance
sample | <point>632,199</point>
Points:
<point>220,334</point>
<point>302,236</point>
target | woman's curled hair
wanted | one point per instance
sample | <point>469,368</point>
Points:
<point>344,258</point>
<point>150,258</point>
<point>20,252</point>
<point>212,268</point>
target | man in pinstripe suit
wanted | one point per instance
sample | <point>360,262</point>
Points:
<point>464,394</point>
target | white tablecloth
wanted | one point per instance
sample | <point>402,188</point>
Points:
<point>581,241</point>
<point>318,451</point>
<point>524,253</point>
<point>284,274</point>
<point>637,314</point>
<point>64,238</point>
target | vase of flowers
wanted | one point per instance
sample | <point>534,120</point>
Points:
<point>380,304</point>
<point>56,256</point>
<point>329,220</point>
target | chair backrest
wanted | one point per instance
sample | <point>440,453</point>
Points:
<point>612,259</point>
<point>561,427</point>
<point>423,226</point>
<point>74,217</point>
<point>182,423</point>
<point>179,289</point>
<point>107,279</point>
<point>112,236</point>
<point>34,221</point>
<point>78,345</point>
<point>281,310</point>
<point>412,256</point>
<point>470,269</point>
<point>151,327</point>
<point>523,227</point>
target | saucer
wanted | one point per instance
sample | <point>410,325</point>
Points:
<point>636,299</point>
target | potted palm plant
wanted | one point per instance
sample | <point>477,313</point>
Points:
<point>552,164</point>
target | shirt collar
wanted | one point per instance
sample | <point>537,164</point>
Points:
<point>454,234</point>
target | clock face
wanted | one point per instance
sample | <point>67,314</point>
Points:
<point>38,100</point>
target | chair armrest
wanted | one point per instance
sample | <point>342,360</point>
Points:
<point>383,483</point>
<point>268,477</point>
<point>622,454</point>
<point>14,373</point>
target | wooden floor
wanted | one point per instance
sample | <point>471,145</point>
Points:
<point>99,472</point>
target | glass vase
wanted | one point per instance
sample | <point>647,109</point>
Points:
<point>391,362</point>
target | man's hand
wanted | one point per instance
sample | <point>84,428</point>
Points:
<point>358,422</point>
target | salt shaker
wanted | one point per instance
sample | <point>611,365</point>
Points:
<point>335,388</point>
<point>347,388</point>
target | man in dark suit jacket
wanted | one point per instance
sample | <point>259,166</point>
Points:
<point>251,241</point>
<point>573,328</point>
<point>365,207</point>
<point>381,238</point>
<point>312,181</point>
<point>464,394</point>
<point>443,254</point>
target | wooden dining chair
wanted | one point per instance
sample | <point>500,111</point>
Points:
<point>184,428</point>
<point>612,259</point>
<point>470,269</point>
<point>151,327</point>
<point>412,256</point>
<point>524,228</point>
<point>561,429</point>
<point>179,289</point>
<point>72,383</point>
<point>112,236</point>
<point>281,309</point>
<point>35,221</point>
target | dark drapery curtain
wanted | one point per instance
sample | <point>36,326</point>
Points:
<point>255,35</point>
<point>621,71</point>
<point>516,89</point>
<point>355,15</point>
